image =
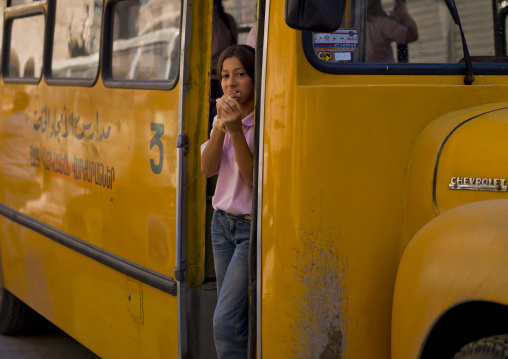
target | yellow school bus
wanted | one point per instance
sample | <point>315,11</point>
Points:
<point>380,189</point>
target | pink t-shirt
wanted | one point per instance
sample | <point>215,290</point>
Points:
<point>251,38</point>
<point>381,32</point>
<point>232,193</point>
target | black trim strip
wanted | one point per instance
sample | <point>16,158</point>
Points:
<point>395,69</point>
<point>131,269</point>
<point>434,181</point>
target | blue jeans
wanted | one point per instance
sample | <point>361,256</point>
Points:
<point>230,240</point>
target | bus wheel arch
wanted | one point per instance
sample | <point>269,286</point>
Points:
<point>16,317</point>
<point>450,283</point>
<point>464,324</point>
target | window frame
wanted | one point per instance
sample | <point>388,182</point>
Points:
<point>106,56</point>
<point>6,45</point>
<point>363,68</point>
<point>48,59</point>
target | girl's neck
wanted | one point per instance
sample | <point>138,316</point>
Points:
<point>246,109</point>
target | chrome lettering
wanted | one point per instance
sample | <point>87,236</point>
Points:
<point>478,184</point>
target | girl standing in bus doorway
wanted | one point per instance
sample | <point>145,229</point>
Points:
<point>228,152</point>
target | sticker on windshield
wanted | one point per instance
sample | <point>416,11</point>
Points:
<point>336,46</point>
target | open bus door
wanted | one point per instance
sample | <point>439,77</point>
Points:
<point>194,270</point>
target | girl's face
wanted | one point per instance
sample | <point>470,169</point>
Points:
<point>235,81</point>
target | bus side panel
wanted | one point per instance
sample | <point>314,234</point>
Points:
<point>336,153</point>
<point>110,313</point>
<point>81,161</point>
<point>98,166</point>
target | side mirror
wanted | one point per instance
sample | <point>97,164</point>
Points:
<point>315,15</point>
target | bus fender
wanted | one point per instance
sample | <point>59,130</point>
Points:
<point>457,258</point>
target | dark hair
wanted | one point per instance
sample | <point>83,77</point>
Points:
<point>374,8</point>
<point>246,55</point>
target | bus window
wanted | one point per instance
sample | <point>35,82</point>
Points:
<point>2,6</point>
<point>26,48</point>
<point>439,40</point>
<point>76,40</point>
<point>18,2</point>
<point>145,42</point>
<point>244,13</point>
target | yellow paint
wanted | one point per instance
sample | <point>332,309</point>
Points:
<point>347,185</point>
<point>458,257</point>
<point>89,301</point>
<point>135,218</point>
<point>341,199</point>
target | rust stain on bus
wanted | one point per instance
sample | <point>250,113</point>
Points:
<point>319,318</point>
<point>334,346</point>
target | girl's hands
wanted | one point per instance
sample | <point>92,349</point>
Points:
<point>228,111</point>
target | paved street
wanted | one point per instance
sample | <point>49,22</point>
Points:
<point>53,345</point>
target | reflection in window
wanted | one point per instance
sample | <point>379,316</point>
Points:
<point>18,2</point>
<point>76,39</point>
<point>2,6</point>
<point>27,40</point>
<point>244,12</point>
<point>439,39</point>
<point>146,40</point>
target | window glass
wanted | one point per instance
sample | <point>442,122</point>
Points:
<point>18,2</point>
<point>76,39</point>
<point>380,32</point>
<point>505,42</point>
<point>244,13</point>
<point>26,47</point>
<point>2,7</point>
<point>440,39</point>
<point>146,40</point>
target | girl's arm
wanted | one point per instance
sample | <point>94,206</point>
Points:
<point>211,155</point>
<point>232,118</point>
